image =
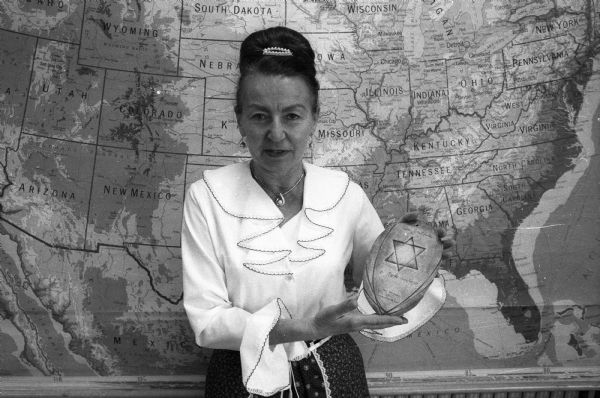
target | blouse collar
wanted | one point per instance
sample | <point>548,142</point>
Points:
<point>239,195</point>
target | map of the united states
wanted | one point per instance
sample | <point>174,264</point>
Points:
<point>483,115</point>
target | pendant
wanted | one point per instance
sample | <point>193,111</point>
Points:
<point>279,200</point>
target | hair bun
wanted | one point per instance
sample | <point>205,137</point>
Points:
<point>278,51</point>
<point>277,41</point>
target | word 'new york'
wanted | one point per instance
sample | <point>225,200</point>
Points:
<point>556,25</point>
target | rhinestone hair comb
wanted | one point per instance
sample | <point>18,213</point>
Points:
<point>278,51</point>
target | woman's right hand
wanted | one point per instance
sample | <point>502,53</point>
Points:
<point>447,241</point>
<point>344,317</point>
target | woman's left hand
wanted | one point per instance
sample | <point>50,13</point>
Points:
<point>344,317</point>
<point>339,318</point>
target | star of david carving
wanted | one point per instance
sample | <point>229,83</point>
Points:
<point>405,250</point>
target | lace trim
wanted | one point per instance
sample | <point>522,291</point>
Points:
<point>325,377</point>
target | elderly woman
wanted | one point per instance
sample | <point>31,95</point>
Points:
<point>265,243</point>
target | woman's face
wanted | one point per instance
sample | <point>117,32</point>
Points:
<point>276,118</point>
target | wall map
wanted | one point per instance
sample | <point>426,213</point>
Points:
<point>482,114</point>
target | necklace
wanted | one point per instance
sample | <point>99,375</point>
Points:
<point>278,197</point>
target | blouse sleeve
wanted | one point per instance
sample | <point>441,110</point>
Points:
<point>368,228</point>
<point>217,323</point>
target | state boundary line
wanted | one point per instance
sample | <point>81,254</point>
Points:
<point>39,37</point>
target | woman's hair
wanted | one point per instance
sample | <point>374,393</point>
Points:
<point>281,41</point>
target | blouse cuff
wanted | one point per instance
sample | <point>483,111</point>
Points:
<point>266,368</point>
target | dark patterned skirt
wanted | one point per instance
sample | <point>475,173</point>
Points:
<point>336,364</point>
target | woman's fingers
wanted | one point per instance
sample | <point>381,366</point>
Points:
<point>447,245</point>
<point>332,320</point>
<point>346,306</point>
<point>410,218</point>
<point>355,321</point>
<point>344,318</point>
<point>441,232</point>
<point>447,242</point>
<point>335,311</point>
<point>381,321</point>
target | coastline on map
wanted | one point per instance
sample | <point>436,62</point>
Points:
<point>530,260</point>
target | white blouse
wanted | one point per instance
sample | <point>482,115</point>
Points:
<point>243,271</point>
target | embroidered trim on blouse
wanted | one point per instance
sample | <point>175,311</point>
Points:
<point>245,242</point>
<point>302,242</point>
<point>280,306</point>
<point>240,243</point>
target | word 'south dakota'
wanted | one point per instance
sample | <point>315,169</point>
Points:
<point>234,10</point>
